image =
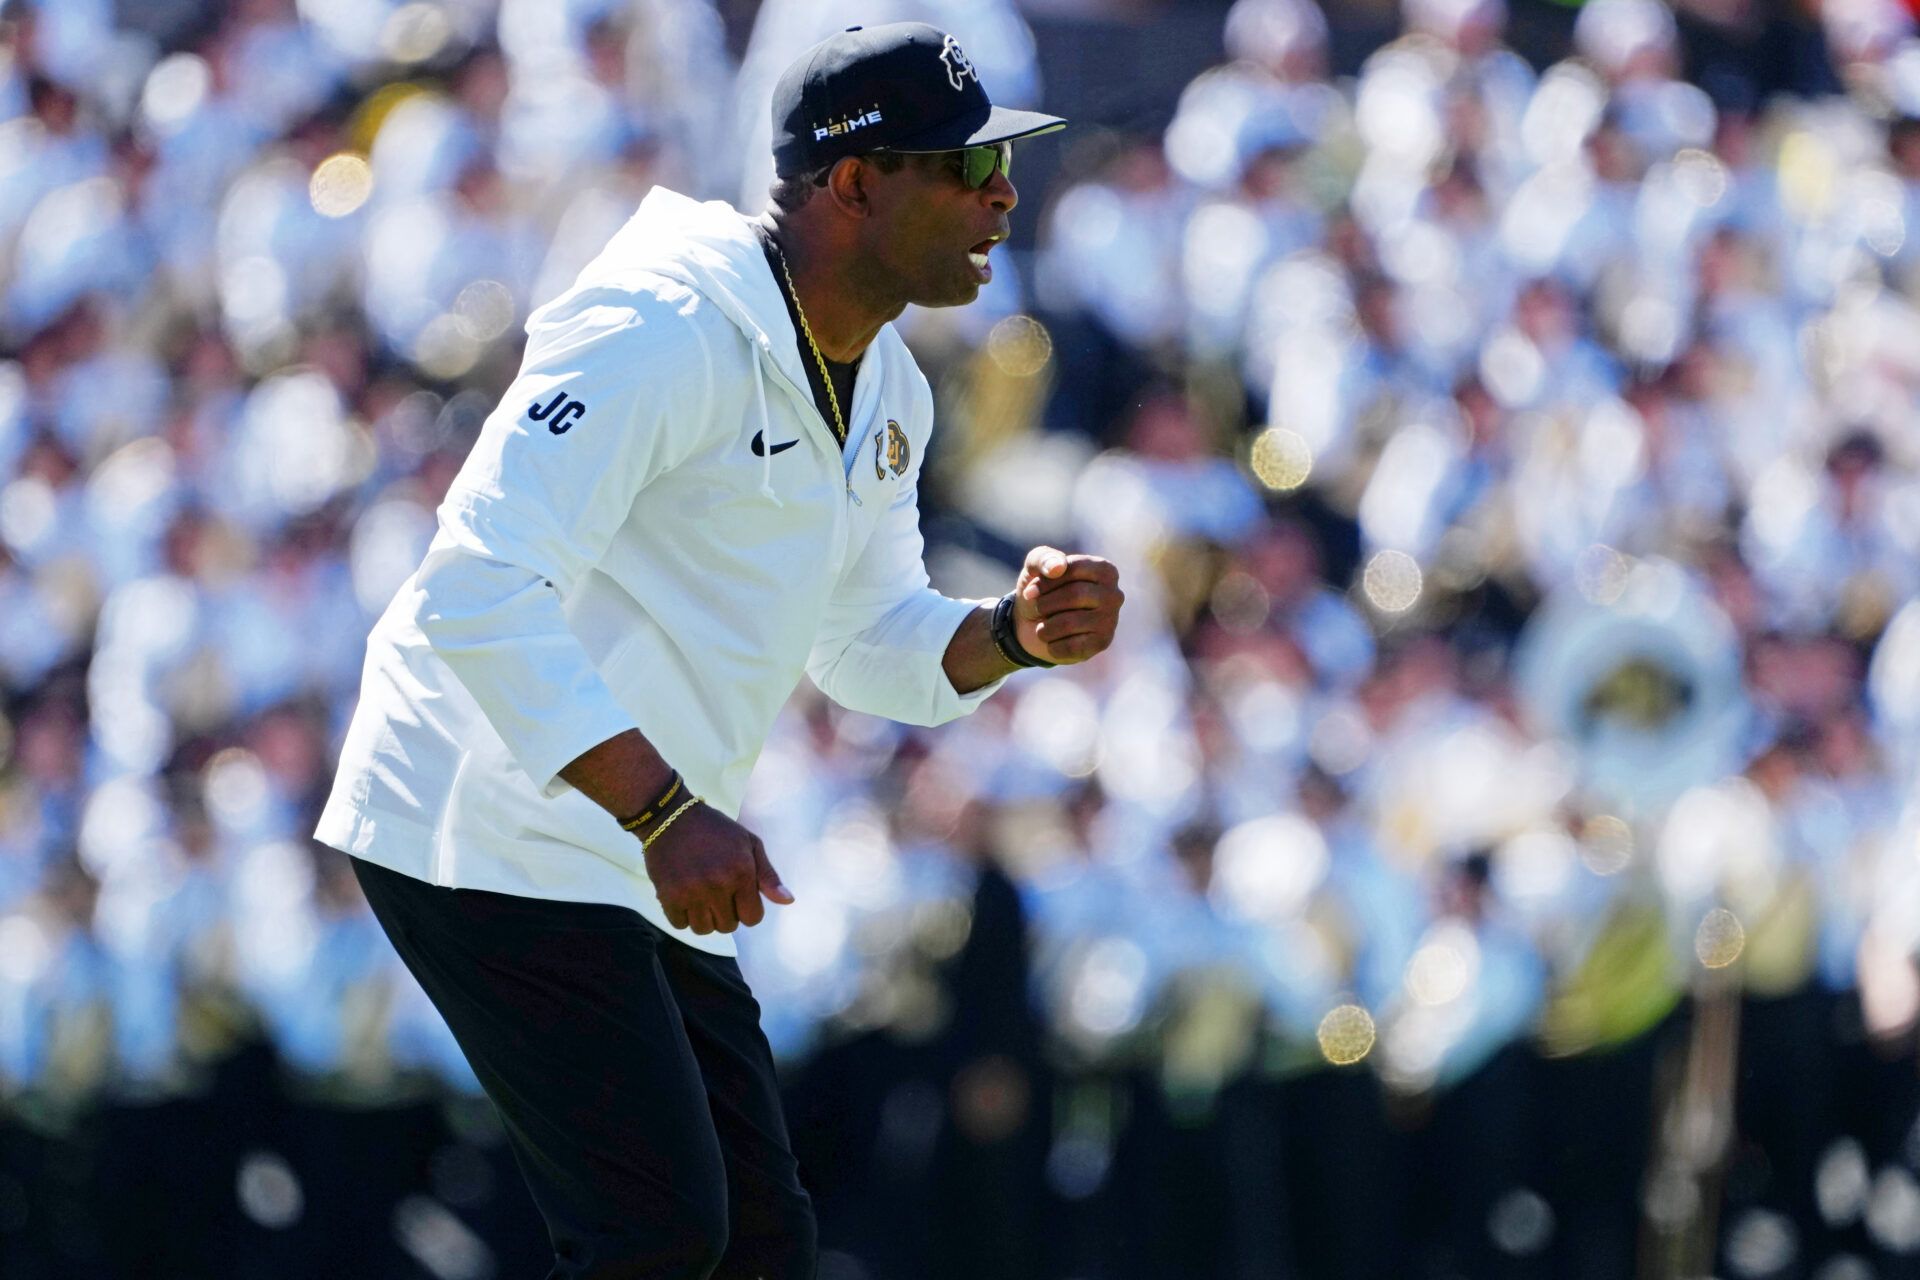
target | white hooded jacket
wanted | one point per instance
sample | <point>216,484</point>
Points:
<point>655,529</point>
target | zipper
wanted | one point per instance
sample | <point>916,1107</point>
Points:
<point>805,396</point>
<point>843,459</point>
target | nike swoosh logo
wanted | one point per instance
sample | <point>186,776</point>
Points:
<point>760,445</point>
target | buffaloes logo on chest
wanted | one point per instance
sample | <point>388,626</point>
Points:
<point>891,451</point>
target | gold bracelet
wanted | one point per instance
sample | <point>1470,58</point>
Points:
<point>672,818</point>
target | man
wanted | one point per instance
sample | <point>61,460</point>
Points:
<point>701,485</point>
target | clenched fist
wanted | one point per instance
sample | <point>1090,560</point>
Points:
<point>1065,607</point>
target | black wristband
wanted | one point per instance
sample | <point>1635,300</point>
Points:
<point>1007,641</point>
<point>656,807</point>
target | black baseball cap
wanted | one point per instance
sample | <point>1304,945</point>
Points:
<point>904,86</point>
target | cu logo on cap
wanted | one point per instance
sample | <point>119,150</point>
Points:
<point>959,67</point>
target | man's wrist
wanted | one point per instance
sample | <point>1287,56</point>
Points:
<point>1005,639</point>
<point>622,775</point>
<point>663,802</point>
<point>674,812</point>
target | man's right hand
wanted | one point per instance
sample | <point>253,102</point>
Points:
<point>710,872</point>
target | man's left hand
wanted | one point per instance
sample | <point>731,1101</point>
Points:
<point>1065,607</point>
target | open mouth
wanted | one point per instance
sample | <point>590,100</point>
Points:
<point>978,255</point>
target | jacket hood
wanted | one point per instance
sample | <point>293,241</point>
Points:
<point>710,247</point>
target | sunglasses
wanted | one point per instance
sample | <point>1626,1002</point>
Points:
<point>977,164</point>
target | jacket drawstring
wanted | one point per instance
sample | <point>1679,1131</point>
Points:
<point>766,424</point>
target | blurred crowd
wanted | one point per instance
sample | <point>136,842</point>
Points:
<point>1487,850</point>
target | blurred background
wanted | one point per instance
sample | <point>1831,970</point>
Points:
<point>1487,851</point>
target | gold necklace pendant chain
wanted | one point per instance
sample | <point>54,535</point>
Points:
<point>839,423</point>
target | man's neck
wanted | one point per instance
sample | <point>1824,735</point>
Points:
<point>832,291</point>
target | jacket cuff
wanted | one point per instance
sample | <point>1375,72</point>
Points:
<point>955,704</point>
<point>544,752</point>
<point>930,629</point>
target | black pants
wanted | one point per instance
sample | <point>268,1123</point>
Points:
<point>631,1073</point>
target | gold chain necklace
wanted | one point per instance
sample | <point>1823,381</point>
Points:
<point>839,423</point>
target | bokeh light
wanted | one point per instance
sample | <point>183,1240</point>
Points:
<point>1444,967</point>
<point>1842,1182</point>
<point>1340,741</point>
<point>1521,1222</point>
<point>1601,574</point>
<point>1266,867</point>
<point>1606,844</point>
<point>269,1190</point>
<point>1059,723</point>
<point>1720,939</point>
<point>237,788</point>
<point>175,88</point>
<point>1701,176</point>
<point>1893,1210</point>
<point>439,1241</point>
<point>1239,602</point>
<point>484,309</point>
<point>1392,581</point>
<point>1809,175</point>
<point>1346,1035</point>
<point>446,348</point>
<point>341,184</point>
<point>1761,1242</point>
<point>811,935</point>
<point>1019,346</point>
<point>415,32</point>
<point>1107,996</point>
<point>1281,459</point>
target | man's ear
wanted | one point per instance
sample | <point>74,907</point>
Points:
<point>847,185</point>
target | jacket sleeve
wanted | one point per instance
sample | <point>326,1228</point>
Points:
<point>886,629</point>
<point>607,399</point>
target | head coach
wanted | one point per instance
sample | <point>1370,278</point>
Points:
<point>700,486</point>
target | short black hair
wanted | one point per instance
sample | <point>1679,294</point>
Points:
<point>792,192</point>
